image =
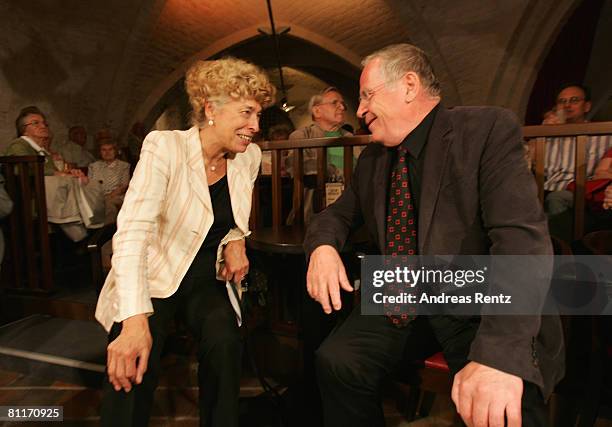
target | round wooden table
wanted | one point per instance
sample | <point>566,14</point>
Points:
<point>278,240</point>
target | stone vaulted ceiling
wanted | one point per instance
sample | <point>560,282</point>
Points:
<point>115,60</point>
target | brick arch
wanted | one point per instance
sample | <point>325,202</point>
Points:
<point>423,35</point>
<point>532,39</point>
<point>235,39</point>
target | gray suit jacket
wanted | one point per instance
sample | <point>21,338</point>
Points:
<point>477,198</point>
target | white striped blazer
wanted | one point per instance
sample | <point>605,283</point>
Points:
<point>165,217</point>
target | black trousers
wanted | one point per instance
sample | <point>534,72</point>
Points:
<point>202,303</point>
<point>353,362</point>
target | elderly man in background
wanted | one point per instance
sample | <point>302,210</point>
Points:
<point>573,103</point>
<point>71,203</point>
<point>34,139</point>
<point>328,112</point>
<point>114,176</point>
<point>73,151</point>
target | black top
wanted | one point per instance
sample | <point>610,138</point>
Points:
<point>222,211</point>
<point>414,143</point>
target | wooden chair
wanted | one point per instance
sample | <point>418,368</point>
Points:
<point>417,393</point>
<point>27,265</point>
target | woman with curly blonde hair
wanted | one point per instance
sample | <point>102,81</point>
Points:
<point>179,247</point>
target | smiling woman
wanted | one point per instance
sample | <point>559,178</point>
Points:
<point>179,247</point>
<point>226,97</point>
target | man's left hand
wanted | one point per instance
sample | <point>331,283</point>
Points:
<point>485,396</point>
<point>236,263</point>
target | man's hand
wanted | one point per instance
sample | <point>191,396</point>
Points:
<point>607,202</point>
<point>236,263</point>
<point>483,395</point>
<point>128,354</point>
<point>325,276</point>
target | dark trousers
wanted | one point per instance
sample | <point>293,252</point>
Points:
<point>353,362</point>
<point>202,303</point>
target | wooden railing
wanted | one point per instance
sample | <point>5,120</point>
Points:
<point>27,265</point>
<point>581,132</point>
<point>297,146</point>
<point>538,134</point>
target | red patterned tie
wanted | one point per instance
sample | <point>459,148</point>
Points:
<point>401,234</point>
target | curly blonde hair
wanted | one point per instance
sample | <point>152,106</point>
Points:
<point>225,79</point>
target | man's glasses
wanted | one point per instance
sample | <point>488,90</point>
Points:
<point>572,100</point>
<point>336,103</point>
<point>366,95</point>
<point>36,123</point>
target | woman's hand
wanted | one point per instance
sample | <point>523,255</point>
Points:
<point>78,173</point>
<point>128,354</point>
<point>236,264</point>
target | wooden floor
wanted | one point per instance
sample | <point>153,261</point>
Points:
<point>174,405</point>
<point>176,396</point>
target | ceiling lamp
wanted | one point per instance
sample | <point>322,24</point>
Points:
<point>285,106</point>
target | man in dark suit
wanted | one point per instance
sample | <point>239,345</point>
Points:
<point>469,192</point>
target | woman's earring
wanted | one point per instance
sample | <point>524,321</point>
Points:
<point>211,122</point>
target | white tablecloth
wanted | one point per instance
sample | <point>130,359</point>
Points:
<point>69,201</point>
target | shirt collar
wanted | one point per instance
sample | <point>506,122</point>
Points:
<point>35,146</point>
<point>415,140</point>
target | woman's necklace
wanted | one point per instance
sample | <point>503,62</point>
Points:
<point>213,167</point>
